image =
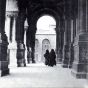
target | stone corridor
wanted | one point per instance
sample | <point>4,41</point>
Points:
<point>41,76</point>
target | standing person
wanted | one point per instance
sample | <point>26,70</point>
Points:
<point>46,55</point>
<point>52,57</point>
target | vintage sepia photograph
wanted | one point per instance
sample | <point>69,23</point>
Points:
<point>43,43</point>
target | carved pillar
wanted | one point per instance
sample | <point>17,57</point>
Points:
<point>71,47</point>
<point>20,54</point>
<point>61,38</point>
<point>73,35</point>
<point>14,30</point>
<point>58,44</point>
<point>30,42</point>
<point>74,11</point>
<point>4,70</point>
<point>28,36</point>
<point>29,54</point>
<point>80,64</point>
<point>67,43</point>
<point>33,54</point>
<point>32,45</point>
<point>7,26</point>
<point>13,44</point>
<point>67,34</point>
<point>20,38</point>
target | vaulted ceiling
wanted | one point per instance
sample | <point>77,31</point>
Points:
<point>59,7</point>
<point>43,3</point>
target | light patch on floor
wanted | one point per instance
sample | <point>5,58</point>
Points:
<point>41,76</point>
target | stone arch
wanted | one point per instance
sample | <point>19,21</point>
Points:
<point>36,15</point>
<point>33,21</point>
<point>46,17</point>
<point>41,12</point>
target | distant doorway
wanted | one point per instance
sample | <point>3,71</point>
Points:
<point>45,46</point>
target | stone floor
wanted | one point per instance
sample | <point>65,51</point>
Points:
<point>41,76</point>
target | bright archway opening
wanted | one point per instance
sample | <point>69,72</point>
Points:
<point>46,36</point>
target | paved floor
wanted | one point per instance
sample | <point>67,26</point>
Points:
<point>41,76</point>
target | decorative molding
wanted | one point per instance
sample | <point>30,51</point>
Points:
<point>11,13</point>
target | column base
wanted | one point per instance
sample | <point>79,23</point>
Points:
<point>33,61</point>
<point>21,63</point>
<point>65,63</point>
<point>70,66</point>
<point>80,64</point>
<point>79,71</point>
<point>21,55</point>
<point>65,66</point>
<point>4,58</point>
<point>4,72</point>
<point>59,61</point>
<point>29,59</point>
<point>71,56</point>
<point>59,57</point>
<point>28,62</point>
<point>79,75</point>
<point>87,76</point>
<point>66,56</point>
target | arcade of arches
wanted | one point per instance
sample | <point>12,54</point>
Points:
<point>71,32</point>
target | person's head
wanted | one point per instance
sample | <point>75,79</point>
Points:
<point>47,51</point>
<point>52,50</point>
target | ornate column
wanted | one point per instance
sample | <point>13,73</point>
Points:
<point>60,40</point>
<point>74,11</point>
<point>28,36</point>
<point>29,54</point>
<point>4,70</point>
<point>58,44</point>
<point>67,34</point>
<point>14,30</point>
<point>67,39</point>
<point>61,37</point>
<point>12,44</point>
<point>7,26</point>
<point>72,41</point>
<point>20,38</point>
<point>11,17</point>
<point>80,64</point>
<point>20,54</point>
<point>33,54</point>
<point>31,42</point>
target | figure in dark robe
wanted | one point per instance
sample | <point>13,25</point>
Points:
<point>52,58</point>
<point>46,55</point>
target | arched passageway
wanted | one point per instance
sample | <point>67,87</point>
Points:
<point>32,25</point>
<point>71,32</point>
<point>46,35</point>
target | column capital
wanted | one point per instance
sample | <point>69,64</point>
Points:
<point>12,13</point>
